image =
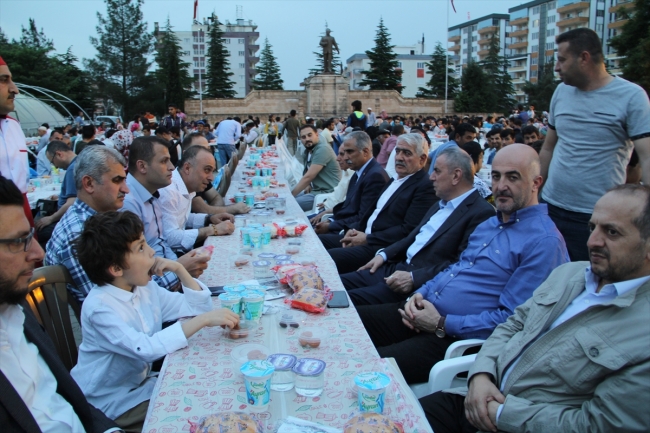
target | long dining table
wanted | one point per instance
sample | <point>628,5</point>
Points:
<point>204,378</point>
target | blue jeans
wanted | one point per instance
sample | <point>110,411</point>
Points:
<point>575,230</point>
<point>225,152</point>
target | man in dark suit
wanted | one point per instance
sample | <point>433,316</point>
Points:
<point>364,188</point>
<point>397,211</point>
<point>436,243</point>
<point>37,393</point>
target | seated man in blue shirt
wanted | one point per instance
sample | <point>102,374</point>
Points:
<point>464,133</point>
<point>507,257</point>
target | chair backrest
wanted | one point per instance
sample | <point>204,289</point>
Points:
<point>232,164</point>
<point>225,181</point>
<point>48,298</point>
<point>242,150</point>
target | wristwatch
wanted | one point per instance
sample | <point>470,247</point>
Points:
<point>440,329</point>
<point>207,220</point>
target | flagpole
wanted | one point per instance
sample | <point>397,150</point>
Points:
<point>447,62</point>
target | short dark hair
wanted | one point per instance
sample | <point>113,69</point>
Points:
<point>529,129</point>
<point>175,130</point>
<point>328,122</point>
<point>292,113</point>
<point>425,135</point>
<point>57,146</point>
<point>88,131</point>
<point>105,241</point>
<point>473,149</point>
<point>172,106</point>
<point>9,193</point>
<point>109,133</point>
<point>142,149</point>
<point>189,154</point>
<point>310,126</point>
<point>505,132</point>
<point>237,119</point>
<point>398,130</point>
<point>583,39</point>
<point>161,130</point>
<point>187,140</point>
<point>642,222</point>
<point>356,105</point>
<point>463,128</point>
<point>492,131</point>
<point>537,145</point>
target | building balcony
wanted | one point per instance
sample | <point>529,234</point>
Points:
<point>519,21</point>
<point>483,52</point>
<point>572,21</point>
<point>629,5</point>
<point>617,24</point>
<point>485,41</point>
<point>520,68</point>
<point>489,29</point>
<point>454,38</point>
<point>518,45</point>
<point>573,7</point>
<point>253,48</point>
<point>518,33</point>
<point>455,47</point>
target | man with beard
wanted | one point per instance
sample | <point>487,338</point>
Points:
<point>507,257</point>
<point>321,173</point>
<point>575,356</point>
<point>38,393</point>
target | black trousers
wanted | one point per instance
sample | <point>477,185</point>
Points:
<point>415,353</point>
<point>352,258</point>
<point>365,288</point>
<point>331,240</point>
<point>446,413</point>
<point>575,230</point>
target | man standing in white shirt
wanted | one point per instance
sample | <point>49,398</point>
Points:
<point>38,393</point>
<point>183,229</point>
<point>228,133</point>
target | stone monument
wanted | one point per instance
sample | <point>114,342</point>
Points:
<point>329,44</point>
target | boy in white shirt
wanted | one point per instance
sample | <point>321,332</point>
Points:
<point>123,314</point>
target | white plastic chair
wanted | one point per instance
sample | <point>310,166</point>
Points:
<point>444,373</point>
<point>319,198</point>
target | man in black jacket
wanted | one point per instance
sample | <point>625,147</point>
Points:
<point>37,393</point>
<point>437,242</point>
<point>397,211</point>
<point>364,188</point>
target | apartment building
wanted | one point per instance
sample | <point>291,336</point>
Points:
<point>471,40</point>
<point>411,60</point>
<point>240,39</point>
<point>614,26</point>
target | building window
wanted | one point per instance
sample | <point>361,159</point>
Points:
<point>550,45</point>
<point>420,65</point>
<point>242,53</point>
<point>550,32</point>
<point>242,66</point>
<point>241,41</point>
<point>600,27</point>
<point>465,30</point>
<point>226,41</point>
<point>533,61</point>
<point>473,49</point>
<point>187,40</point>
<point>535,23</point>
<point>464,50</point>
<point>473,38</point>
<point>474,27</point>
<point>551,5</point>
<point>420,73</point>
<point>550,59</point>
<point>534,48</point>
<point>399,65</point>
<point>536,10</point>
<point>535,36</point>
<point>550,19</point>
<point>600,13</point>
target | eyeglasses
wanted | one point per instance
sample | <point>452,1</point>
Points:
<point>19,244</point>
<point>53,156</point>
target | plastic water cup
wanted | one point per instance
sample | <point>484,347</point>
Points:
<point>262,269</point>
<point>371,391</point>
<point>283,378</point>
<point>239,197</point>
<point>249,198</point>
<point>231,301</point>
<point>246,236</point>
<point>252,305</point>
<point>257,378</point>
<point>255,238</point>
<point>310,379</point>
<point>266,236</point>
<point>240,221</point>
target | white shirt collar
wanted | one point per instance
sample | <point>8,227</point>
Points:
<point>177,179</point>
<point>117,293</point>
<point>620,287</point>
<point>454,203</point>
<point>360,171</point>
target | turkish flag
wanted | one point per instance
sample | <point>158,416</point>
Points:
<point>196,6</point>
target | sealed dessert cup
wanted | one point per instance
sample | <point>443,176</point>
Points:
<point>310,377</point>
<point>252,305</point>
<point>371,391</point>
<point>257,378</point>
<point>241,331</point>
<point>311,337</point>
<point>266,256</point>
<point>245,352</point>
<point>283,378</point>
<point>234,288</point>
<point>231,301</point>
<point>262,269</point>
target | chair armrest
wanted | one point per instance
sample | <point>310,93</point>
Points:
<point>459,347</point>
<point>443,373</point>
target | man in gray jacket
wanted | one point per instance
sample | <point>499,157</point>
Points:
<point>576,356</point>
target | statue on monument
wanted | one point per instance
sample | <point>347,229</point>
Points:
<point>329,44</point>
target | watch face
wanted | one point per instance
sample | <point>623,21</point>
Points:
<point>440,333</point>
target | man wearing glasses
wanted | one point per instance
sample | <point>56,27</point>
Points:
<point>38,393</point>
<point>62,157</point>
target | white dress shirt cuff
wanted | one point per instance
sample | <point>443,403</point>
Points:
<point>189,239</point>
<point>382,254</point>
<point>499,411</point>
<point>199,301</point>
<point>172,338</point>
<point>196,220</point>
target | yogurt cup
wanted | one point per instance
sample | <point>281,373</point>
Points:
<point>257,378</point>
<point>262,269</point>
<point>283,378</point>
<point>231,301</point>
<point>239,197</point>
<point>310,379</point>
<point>371,391</point>
<point>266,256</point>
<point>249,199</point>
<point>252,305</point>
<point>234,288</point>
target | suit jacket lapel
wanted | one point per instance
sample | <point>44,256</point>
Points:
<point>451,220</point>
<point>410,181</point>
<point>16,407</point>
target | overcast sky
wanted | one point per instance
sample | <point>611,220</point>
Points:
<point>293,27</point>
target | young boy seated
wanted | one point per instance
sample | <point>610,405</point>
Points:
<point>122,317</point>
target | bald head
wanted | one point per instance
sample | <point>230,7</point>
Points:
<point>515,178</point>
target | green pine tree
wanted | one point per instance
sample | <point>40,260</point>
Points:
<point>123,44</point>
<point>633,42</point>
<point>540,93</point>
<point>473,97</point>
<point>384,72</point>
<point>32,37</point>
<point>498,80</point>
<point>172,71</point>
<point>436,85</point>
<point>217,75</point>
<point>336,63</point>
<point>268,70</point>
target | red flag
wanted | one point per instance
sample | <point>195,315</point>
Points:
<point>196,6</point>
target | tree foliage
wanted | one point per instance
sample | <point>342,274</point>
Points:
<point>218,84</point>
<point>384,72</point>
<point>540,93</point>
<point>320,63</point>
<point>33,61</point>
<point>172,73</point>
<point>473,98</point>
<point>633,42</point>
<point>268,70</point>
<point>122,44</point>
<point>498,81</point>
<point>436,85</point>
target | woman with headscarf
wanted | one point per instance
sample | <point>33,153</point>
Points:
<point>122,141</point>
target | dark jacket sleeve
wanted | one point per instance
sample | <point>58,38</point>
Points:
<point>372,187</point>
